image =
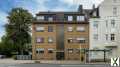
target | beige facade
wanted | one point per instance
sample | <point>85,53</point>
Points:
<point>57,40</point>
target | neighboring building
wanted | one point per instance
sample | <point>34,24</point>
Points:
<point>60,36</point>
<point>105,30</point>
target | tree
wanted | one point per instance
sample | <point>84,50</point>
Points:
<point>6,46</point>
<point>18,28</point>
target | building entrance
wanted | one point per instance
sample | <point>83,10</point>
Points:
<point>60,56</point>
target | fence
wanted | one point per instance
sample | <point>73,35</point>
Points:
<point>23,57</point>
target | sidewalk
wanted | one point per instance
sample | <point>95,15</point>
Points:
<point>66,62</point>
<point>12,61</point>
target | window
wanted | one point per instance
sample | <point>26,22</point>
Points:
<point>40,18</point>
<point>95,25</point>
<point>114,10</point>
<point>70,40</point>
<point>50,40</point>
<point>70,29</point>
<point>80,18</point>
<point>110,52</point>
<point>80,40</point>
<point>112,37</point>
<point>113,23</point>
<point>40,28</point>
<point>50,50</point>
<point>106,35</point>
<point>50,28</point>
<point>40,50</point>
<point>50,18</point>
<point>70,18</point>
<point>81,28</point>
<point>95,37</point>
<point>106,23</point>
<point>77,50</point>
<point>40,40</point>
<point>70,50</point>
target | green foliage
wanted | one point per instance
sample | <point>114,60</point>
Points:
<point>17,30</point>
<point>6,46</point>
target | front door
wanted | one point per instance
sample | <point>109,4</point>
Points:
<point>60,55</point>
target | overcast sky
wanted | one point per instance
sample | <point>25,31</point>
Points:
<point>34,6</point>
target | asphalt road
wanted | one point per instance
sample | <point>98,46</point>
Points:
<point>54,65</point>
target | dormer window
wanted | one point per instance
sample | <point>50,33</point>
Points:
<point>70,18</point>
<point>80,18</point>
<point>50,18</point>
<point>40,17</point>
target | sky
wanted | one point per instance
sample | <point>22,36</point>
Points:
<point>34,6</point>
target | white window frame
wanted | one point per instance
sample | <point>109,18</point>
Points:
<point>69,28</point>
<point>95,24</point>
<point>106,37</point>
<point>40,28</point>
<point>80,28</point>
<point>50,39</point>
<point>51,49</point>
<point>80,18</point>
<point>115,10</point>
<point>81,39</point>
<point>38,40</point>
<point>40,49</point>
<point>70,50</point>
<point>113,23</point>
<point>40,17</point>
<point>112,37</point>
<point>70,18</point>
<point>95,37</point>
<point>50,18</point>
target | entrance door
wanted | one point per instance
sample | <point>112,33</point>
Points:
<point>82,58</point>
<point>60,55</point>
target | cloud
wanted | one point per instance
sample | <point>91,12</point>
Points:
<point>3,21</point>
<point>3,16</point>
<point>86,3</point>
<point>34,6</point>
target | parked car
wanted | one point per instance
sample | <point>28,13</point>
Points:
<point>2,56</point>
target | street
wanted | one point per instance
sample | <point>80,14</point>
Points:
<point>54,65</point>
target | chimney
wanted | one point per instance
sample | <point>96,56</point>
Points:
<point>93,7</point>
<point>80,9</point>
<point>98,12</point>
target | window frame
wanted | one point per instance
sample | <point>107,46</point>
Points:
<point>50,28</point>
<point>80,28</point>
<point>80,18</point>
<point>41,28</point>
<point>51,39</point>
<point>40,17</point>
<point>42,39</point>
<point>70,18</point>
<point>112,37</point>
<point>40,50</point>
<point>70,29</point>
<point>81,40</point>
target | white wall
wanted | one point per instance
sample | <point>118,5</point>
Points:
<point>106,8</point>
<point>106,15</point>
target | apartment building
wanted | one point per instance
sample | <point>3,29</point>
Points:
<point>60,36</point>
<point>105,30</point>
